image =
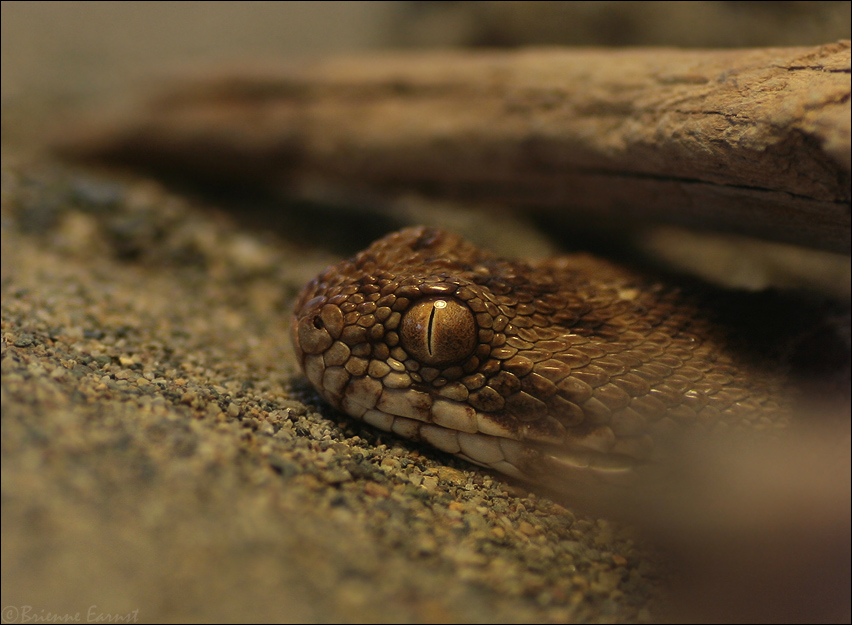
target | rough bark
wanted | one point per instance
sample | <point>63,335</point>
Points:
<point>750,141</point>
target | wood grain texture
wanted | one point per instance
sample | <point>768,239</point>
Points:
<point>750,141</point>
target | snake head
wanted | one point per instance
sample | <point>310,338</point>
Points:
<point>547,373</point>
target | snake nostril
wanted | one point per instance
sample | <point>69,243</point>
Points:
<point>312,336</point>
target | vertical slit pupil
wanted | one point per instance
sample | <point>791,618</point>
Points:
<point>429,332</point>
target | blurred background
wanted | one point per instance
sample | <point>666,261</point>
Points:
<point>59,58</point>
<point>75,48</point>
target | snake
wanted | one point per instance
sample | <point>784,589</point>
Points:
<point>568,370</point>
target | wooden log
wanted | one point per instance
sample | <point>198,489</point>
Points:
<point>749,141</point>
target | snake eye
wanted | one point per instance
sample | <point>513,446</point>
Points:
<point>438,332</point>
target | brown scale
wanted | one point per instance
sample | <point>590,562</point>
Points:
<point>570,354</point>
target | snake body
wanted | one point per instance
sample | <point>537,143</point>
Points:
<point>562,371</point>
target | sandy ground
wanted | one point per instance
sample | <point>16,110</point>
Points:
<point>162,453</point>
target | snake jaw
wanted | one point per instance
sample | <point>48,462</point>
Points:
<point>572,367</point>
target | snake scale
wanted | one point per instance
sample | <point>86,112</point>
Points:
<point>569,370</point>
